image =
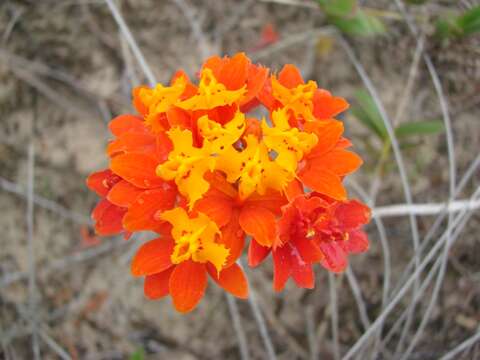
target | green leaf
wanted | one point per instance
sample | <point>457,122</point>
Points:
<point>470,21</point>
<point>452,26</point>
<point>339,8</point>
<point>139,354</point>
<point>427,127</point>
<point>368,114</point>
<point>361,24</point>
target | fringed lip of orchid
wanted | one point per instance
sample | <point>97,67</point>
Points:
<point>194,168</point>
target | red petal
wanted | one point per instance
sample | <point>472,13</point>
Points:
<point>326,106</point>
<point>108,218</point>
<point>287,224</point>
<point>335,257</point>
<point>357,242</point>
<point>126,123</point>
<point>144,213</point>
<point>290,76</point>
<point>256,253</point>
<point>233,238</point>
<point>102,181</point>
<point>187,285</point>
<point>231,279</point>
<point>323,181</point>
<point>156,285</point>
<point>259,223</point>
<point>282,267</point>
<point>153,257</point>
<point>308,250</point>
<point>309,204</point>
<point>352,214</point>
<point>123,193</point>
<point>303,275</point>
<point>138,169</point>
<point>339,161</point>
<point>287,262</point>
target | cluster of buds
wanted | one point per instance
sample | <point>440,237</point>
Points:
<point>197,168</point>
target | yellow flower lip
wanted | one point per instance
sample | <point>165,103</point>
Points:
<point>195,238</point>
<point>211,94</point>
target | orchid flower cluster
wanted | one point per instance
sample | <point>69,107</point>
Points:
<point>197,168</point>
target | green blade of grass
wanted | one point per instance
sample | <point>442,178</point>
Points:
<point>427,127</point>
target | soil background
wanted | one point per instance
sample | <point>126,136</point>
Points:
<point>66,70</point>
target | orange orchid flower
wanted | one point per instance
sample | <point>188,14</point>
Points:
<point>203,174</point>
<point>178,262</point>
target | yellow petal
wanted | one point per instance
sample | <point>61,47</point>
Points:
<point>222,137</point>
<point>215,253</point>
<point>211,94</point>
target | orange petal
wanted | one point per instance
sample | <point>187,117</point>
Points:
<point>326,106</point>
<point>323,181</point>
<point>257,76</point>
<point>217,208</point>
<point>234,72</point>
<point>187,285</point>
<point>233,238</point>
<point>138,169</point>
<point>294,189</point>
<point>156,285</point>
<point>271,200</point>
<point>190,89</point>
<point>231,279</point>
<point>215,63</point>
<point>259,223</point>
<point>218,182</point>
<point>265,96</point>
<point>253,128</point>
<point>102,181</point>
<point>123,193</point>
<point>131,142</point>
<point>339,161</point>
<point>256,253</point>
<point>153,257</point>
<point>328,134</point>
<point>179,117</point>
<point>290,76</point>
<point>124,123</point>
<point>108,218</point>
<point>137,102</point>
<point>144,213</point>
